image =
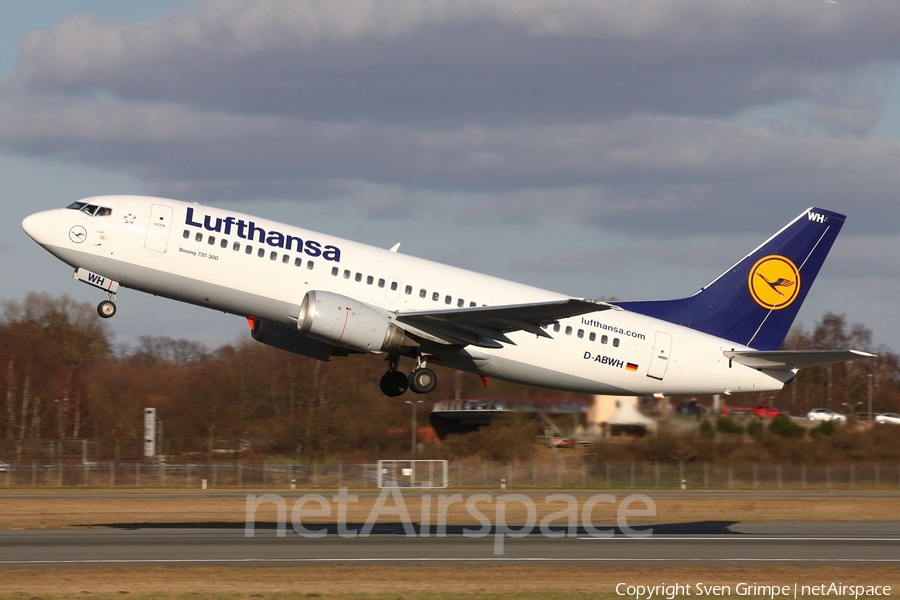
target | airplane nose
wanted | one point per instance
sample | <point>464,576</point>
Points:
<point>41,226</point>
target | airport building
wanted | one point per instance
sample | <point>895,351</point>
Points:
<point>581,419</point>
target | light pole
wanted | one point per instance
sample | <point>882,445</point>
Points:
<point>852,407</point>
<point>415,409</point>
<point>871,377</point>
<point>59,429</point>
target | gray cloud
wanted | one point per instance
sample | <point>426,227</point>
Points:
<point>621,115</point>
<point>463,62</point>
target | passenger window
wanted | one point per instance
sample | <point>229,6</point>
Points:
<point>435,296</point>
<point>460,303</point>
<point>408,290</point>
<point>346,274</point>
<point>592,336</point>
<point>447,299</point>
<point>224,243</point>
<point>381,283</point>
<point>358,277</point>
<point>186,234</point>
<point>285,259</point>
<point>580,333</point>
<point>394,286</point>
<point>236,246</point>
<point>472,305</point>
<point>249,250</point>
<point>310,265</point>
<point>299,261</point>
<point>273,255</point>
<point>604,339</point>
<point>615,342</point>
<point>212,240</point>
<point>261,252</point>
<point>422,293</point>
<point>335,271</point>
<point>556,327</point>
<point>568,330</point>
<point>198,237</point>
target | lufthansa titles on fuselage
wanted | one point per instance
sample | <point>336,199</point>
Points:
<point>248,230</point>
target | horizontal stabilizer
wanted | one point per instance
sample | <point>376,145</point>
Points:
<point>787,360</point>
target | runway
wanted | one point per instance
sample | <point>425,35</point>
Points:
<point>689,544</point>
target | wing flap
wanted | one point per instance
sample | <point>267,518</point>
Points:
<point>788,360</point>
<point>487,326</point>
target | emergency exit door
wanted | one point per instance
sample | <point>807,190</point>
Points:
<point>662,348</point>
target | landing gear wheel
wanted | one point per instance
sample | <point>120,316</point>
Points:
<point>394,383</point>
<point>422,381</point>
<point>106,309</point>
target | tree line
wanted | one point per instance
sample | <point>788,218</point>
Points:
<point>63,378</point>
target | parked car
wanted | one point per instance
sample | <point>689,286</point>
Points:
<point>692,408</point>
<point>892,418</point>
<point>825,414</point>
<point>764,410</point>
<point>736,411</point>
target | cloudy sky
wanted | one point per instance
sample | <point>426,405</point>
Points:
<point>626,149</point>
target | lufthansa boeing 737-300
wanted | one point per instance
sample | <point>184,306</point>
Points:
<point>321,296</point>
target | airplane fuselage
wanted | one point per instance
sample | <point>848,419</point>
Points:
<point>248,266</point>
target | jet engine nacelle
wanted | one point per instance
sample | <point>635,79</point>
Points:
<point>349,323</point>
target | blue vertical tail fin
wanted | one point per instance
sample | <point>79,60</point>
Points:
<point>755,302</point>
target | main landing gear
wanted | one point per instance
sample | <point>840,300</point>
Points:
<point>394,383</point>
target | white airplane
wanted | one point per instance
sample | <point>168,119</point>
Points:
<point>322,296</point>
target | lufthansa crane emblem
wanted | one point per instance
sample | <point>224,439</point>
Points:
<point>774,282</point>
<point>77,234</point>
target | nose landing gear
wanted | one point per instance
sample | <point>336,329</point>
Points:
<point>107,308</point>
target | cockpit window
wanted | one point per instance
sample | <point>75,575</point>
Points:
<point>91,209</point>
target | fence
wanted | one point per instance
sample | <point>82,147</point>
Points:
<point>598,475</point>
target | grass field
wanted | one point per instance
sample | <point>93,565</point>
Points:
<point>439,583</point>
<point>88,511</point>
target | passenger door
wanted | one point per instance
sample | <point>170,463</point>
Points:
<point>158,229</point>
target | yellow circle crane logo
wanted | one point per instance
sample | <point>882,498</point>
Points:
<point>774,282</point>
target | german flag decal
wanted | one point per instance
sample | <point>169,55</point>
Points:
<point>631,367</point>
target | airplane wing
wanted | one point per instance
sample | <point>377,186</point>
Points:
<point>486,326</point>
<point>786,360</point>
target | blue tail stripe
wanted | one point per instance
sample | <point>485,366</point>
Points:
<point>755,302</point>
